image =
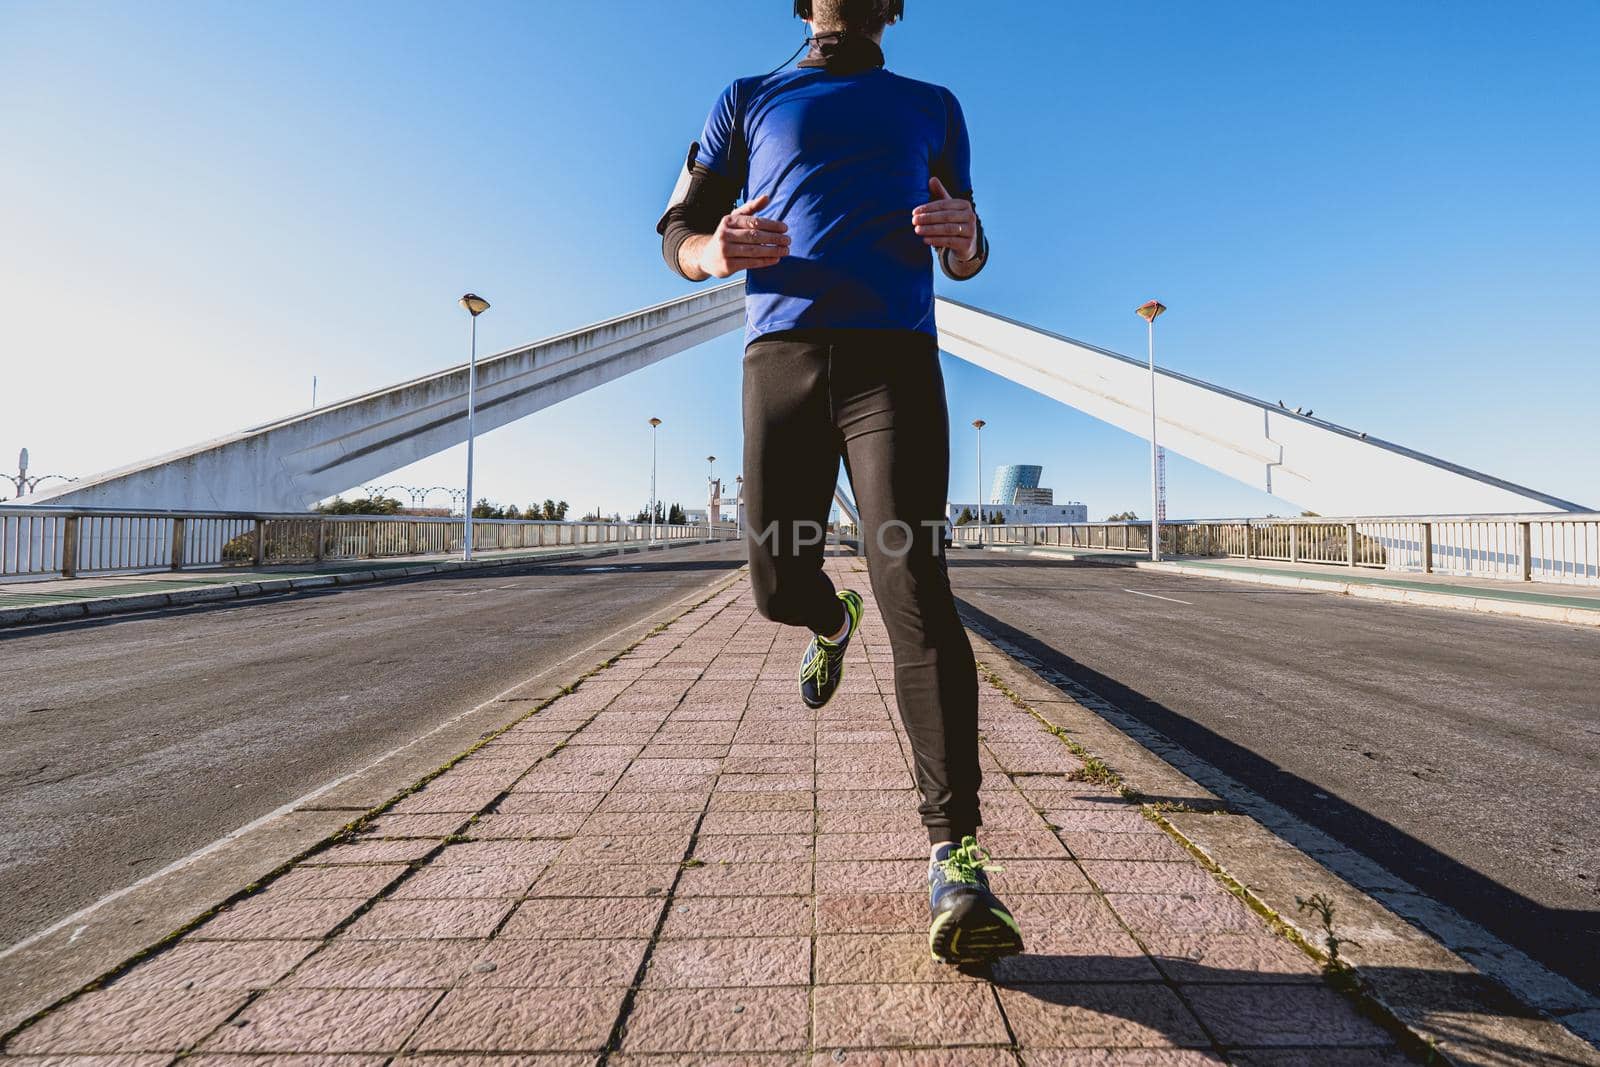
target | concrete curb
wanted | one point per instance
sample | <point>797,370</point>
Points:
<point>1415,597</point>
<point>144,917</point>
<point>1445,1006</point>
<point>99,607</point>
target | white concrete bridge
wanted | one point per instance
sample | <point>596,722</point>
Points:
<point>290,464</point>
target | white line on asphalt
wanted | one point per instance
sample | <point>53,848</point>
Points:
<point>201,853</point>
<point>1152,596</point>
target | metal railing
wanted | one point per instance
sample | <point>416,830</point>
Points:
<point>67,542</point>
<point>1541,548</point>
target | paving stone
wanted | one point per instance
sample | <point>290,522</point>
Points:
<point>874,876</point>
<point>656,800</point>
<point>690,917</point>
<point>437,882</point>
<point>746,879</point>
<point>1258,957</point>
<point>522,826</point>
<point>612,848</point>
<point>548,803</point>
<point>753,848</point>
<point>401,851</point>
<point>789,800</point>
<point>718,1020</point>
<point>436,825</point>
<point>1282,1015</point>
<point>346,964</point>
<point>128,1021</point>
<point>585,880</point>
<point>845,959</point>
<point>218,965</point>
<point>528,964</point>
<point>325,1020</point>
<point>856,1016</point>
<point>730,962</point>
<point>1183,911</point>
<point>872,913</point>
<point>509,1020</point>
<point>1095,845</point>
<point>1145,876</point>
<point>676,824</point>
<point>277,917</point>
<point>915,1057</point>
<point>500,853</point>
<point>1121,1057</point>
<point>335,883</point>
<point>1064,952</point>
<point>1099,1016</point>
<point>718,823</point>
<point>410,919</point>
<point>537,1059</point>
<point>560,917</point>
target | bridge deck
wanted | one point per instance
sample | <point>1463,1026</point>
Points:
<point>677,858</point>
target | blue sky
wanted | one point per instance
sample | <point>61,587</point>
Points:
<point>1385,211</point>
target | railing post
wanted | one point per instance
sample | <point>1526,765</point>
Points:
<point>1249,538</point>
<point>1349,544</point>
<point>372,539</point>
<point>69,547</point>
<point>1294,543</point>
<point>322,534</point>
<point>179,536</point>
<point>1527,550</point>
<point>258,544</point>
<point>1427,548</point>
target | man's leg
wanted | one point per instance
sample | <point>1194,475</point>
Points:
<point>791,465</point>
<point>889,402</point>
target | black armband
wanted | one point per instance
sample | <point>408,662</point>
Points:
<point>699,201</point>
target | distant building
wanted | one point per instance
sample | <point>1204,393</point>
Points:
<point>1017,497</point>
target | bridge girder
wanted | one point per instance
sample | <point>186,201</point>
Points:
<point>290,464</point>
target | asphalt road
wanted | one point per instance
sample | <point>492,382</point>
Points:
<point>132,741</point>
<point>1460,751</point>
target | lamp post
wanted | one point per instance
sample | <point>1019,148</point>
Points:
<point>711,484</point>
<point>654,423</point>
<point>979,424</point>
<point>1148,312</point>
<point>738,505</point>
<point>475,305</point>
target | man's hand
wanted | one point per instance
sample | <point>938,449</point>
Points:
<point>742,241</point>
<point>945,222</point>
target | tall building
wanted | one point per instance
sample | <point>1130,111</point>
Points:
<point>1013,477</point>
<point>1017,498</point>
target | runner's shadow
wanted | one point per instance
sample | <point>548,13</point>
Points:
<point>1125,1000</point>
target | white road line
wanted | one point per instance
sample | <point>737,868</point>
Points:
<point>1152,596</point>
<point>201,853</point>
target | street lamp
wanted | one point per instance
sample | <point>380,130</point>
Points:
<point>738,505</point>
<point>979,424</point>
<point>475,305</point>
<point>711,481</point>
<point>1148,312</point>
<point>654,423</point>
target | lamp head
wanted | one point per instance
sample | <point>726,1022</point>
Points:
<point>1149,310</point>
<point>654,423</point>
<point>475,304</point>
<point>979,424</point>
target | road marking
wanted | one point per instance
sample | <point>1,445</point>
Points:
<point>1152,596</point>
<point>285,809</point>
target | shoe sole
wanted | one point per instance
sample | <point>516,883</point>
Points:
<point>975,935</point>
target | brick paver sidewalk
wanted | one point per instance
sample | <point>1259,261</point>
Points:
<point>678,863</point>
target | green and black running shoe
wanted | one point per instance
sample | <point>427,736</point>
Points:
<point>822,667</point>
<point>970,925</point>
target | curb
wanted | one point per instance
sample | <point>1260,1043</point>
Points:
<point>1488,605</point>
<point>1442,1006</point>
<point>99,607</point>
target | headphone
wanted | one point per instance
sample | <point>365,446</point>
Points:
<point>891,9</point>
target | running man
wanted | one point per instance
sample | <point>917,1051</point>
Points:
<point>854,179</point>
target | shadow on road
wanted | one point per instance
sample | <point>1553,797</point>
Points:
<point>1565,940</point>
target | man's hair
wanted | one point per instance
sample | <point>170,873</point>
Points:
<point>861,16</point>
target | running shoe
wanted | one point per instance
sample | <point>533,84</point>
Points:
<point>822,667</point>
<point>970,925</point>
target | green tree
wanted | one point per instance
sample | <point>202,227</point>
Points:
<point>675,516</point>
<point>381,505</point>
<point>485,510</point>
<point>965,517</point>
<point>1122,516</point>
<point>513,512</point>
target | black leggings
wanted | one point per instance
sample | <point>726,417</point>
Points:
<point>875,397</point>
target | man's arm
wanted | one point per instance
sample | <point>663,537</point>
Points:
<point>704,236</point>
<point>951,225</point>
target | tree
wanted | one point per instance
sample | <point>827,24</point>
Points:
<point>513,512</point>
<point>485,510</point>
<point>378,505</point>
<point>996,518</point>
<point>1122,516</point>
<point>965,517</point>
<point>676,517</point>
